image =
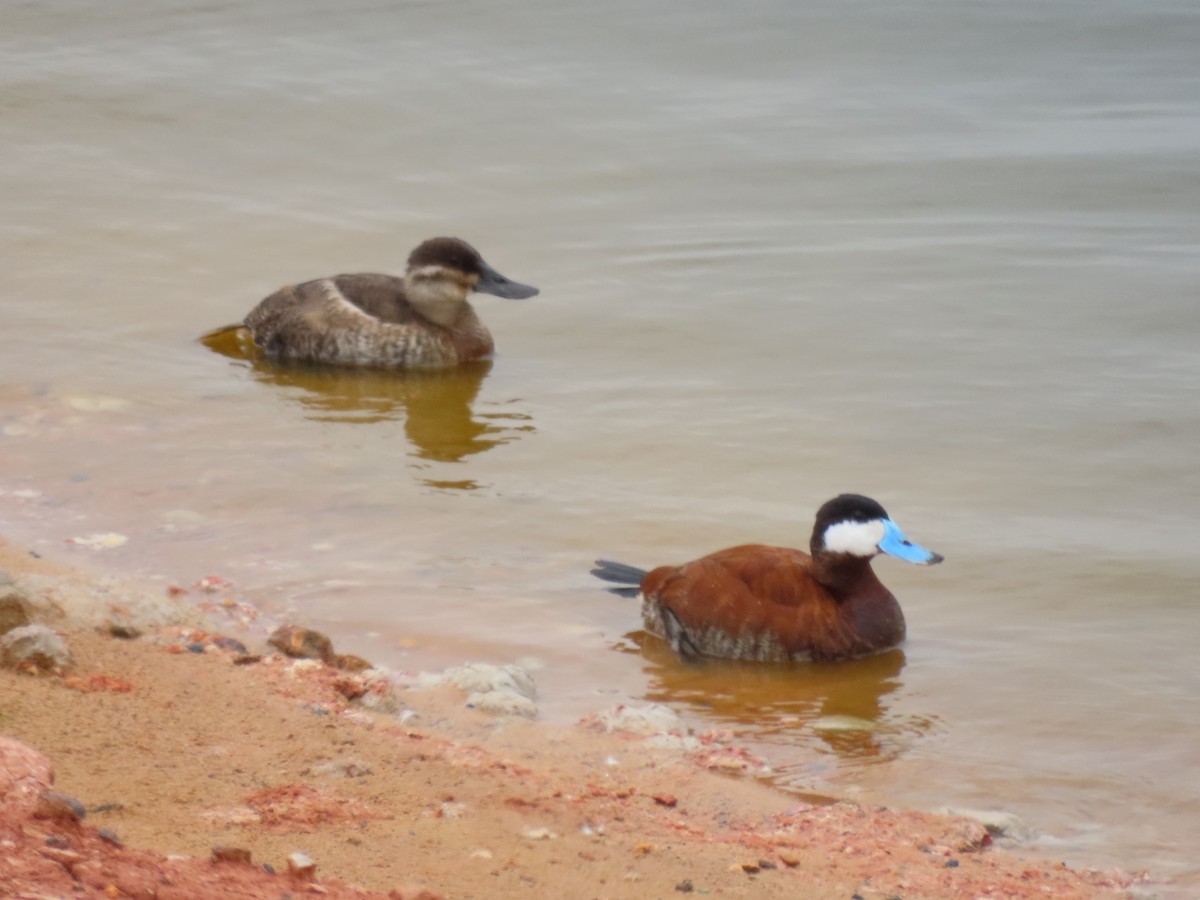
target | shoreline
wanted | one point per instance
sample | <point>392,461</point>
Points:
<point>177,740</point>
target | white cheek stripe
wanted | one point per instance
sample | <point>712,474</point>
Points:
<point>855,538</point>
<point>431,271</point>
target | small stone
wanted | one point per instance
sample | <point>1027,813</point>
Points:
<point>195,647</point>
<point>247,659</point>
<point>685,886</point>
<point>646,718</point>
<point>502,690</point>
<point>666,800</point>
<point>107,834</point>
<point>348,662</point>
<point>53,805</point>
<point>34,646</point>
<point>225,853</point>
<point>228,643</point>
<point>767,864</point>
<point>540,834</point>
<point>952,864</point>
<point>789,859</point>
<point>68,859</point>
<point>301,867</point>
<point>124,631</point>
<point>58,841</point>
<point>15,609</point>
<point>302,643</point>
<point>344,768</point>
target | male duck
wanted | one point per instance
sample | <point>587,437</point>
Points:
<point>773,603</point>
<point>422,320</point>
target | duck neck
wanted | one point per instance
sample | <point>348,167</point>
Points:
<point>442,301</point>
<point>862,599</point>
<point>844,575</point>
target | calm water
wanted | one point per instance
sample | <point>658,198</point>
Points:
<point>944,254</point>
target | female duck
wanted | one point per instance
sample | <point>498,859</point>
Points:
<point>772,603</point>
<point>422,320</point>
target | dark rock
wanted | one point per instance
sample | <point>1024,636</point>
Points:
<point>107,834</point>
<point>124,631</point>
<point>195,647</point>
<point>228,643</point>
<point>58,841</point>
<point>53,805</point>
<point>247,659</point>
<point>302,643</point>
<point>106,807</point>
<point>685,886</point>
<point>952,864</point>
<point>348,662</point>
<point>15,608</point>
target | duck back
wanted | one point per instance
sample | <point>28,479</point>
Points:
<point>362,320</point>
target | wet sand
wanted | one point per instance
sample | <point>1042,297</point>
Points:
<point>405,789</point>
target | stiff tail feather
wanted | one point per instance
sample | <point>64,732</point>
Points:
<point>630,577</point>
<point>221,332</point>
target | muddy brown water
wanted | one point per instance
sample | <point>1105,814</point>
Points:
<point>944,255</point>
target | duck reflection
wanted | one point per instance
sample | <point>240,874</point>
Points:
<point>437,406</point>
<point>842,706</point>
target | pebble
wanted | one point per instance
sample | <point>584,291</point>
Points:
<point>348,662</point>
<point>53,805</point>
<point>503,690</point>
<point>997,822</point>
<point>685,886</point>
<point>107,834</point>
<point>647,718</point>
<point>228,643</point>
<point>124,631</point>
<point>301,866</point>
<point>15,609</point>
<point>301,643</point>
<point>225,853</point>
<point>344,768</point>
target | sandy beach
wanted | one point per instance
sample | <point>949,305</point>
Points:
<point>180,730</point>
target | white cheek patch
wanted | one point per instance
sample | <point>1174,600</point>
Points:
<point>427,272</point>
<point>855,538</point>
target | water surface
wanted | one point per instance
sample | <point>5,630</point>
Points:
<point>941,254</point>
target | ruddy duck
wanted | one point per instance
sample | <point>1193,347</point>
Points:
<point>422,320</point>
<point>773,603</point>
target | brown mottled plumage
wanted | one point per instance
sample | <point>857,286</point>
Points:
<point>774,603</point>
<point>422,320</point>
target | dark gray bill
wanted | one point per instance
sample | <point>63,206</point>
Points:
<point>492,282</point>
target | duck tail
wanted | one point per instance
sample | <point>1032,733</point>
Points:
<point>630,577</point>
<point>221,332</point>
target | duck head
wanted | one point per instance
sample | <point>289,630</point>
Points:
<point>854,525</point>
<point>443,271</point>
